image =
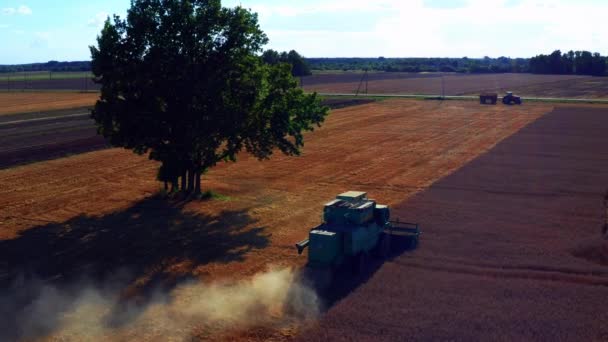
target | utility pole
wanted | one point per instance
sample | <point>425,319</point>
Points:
<point>442,87</point>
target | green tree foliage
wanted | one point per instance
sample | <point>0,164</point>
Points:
<point>299,66</point>
<point>579,63</point>
<point>183,82</point>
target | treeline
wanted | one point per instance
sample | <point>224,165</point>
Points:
<point>299,66</point>
<point>48,66</point>
<point>460,65</point>
<point>573,62</point>
<point>570,63</point>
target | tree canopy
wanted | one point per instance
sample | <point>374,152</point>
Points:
<point>299,66</point>
<point>573,62</point>
<point>184,82</point>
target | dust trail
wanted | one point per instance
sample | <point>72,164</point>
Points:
<point>84,312</point>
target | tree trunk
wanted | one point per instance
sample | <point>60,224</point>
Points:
<point>190,181</point>
<point>173,185</point>
<point>166,186</point>
<point>184,181</point>
<point>197,188</point>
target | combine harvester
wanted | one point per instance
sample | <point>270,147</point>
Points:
<point>353,228</point>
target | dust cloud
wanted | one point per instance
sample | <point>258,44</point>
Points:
<point>85,312</point>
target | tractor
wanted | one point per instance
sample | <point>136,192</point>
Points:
<point>509,99</point>
<point>354,227</point>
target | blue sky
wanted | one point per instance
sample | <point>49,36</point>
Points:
<point>42,30</point>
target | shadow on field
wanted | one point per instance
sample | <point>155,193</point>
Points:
<point>137,253</point>
<point>345,281</point>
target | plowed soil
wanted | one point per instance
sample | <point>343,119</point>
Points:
<point>566,86</point>
<point>96,213</point>
<point>512,247</point>
<point>25,102</point>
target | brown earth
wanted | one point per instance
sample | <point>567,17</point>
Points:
<point>49,134</point>
<point>97,213</point>
<point>18,84</point>
<point>567,86</point>
<point>511,247</point>
<point>24,102</point>
<point>588,87</point>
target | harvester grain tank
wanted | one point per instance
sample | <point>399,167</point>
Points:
<point>488,98</point>
<point>353,228</point>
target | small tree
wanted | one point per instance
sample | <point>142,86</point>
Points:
<point>183,81</point>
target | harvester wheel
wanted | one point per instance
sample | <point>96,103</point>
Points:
<point>359,263</point>
<point>319,279</point>
<point>384,246</point>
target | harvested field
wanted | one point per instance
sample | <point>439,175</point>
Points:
<point>588,87</point>
<point>512,247</point>
<point>529,85</point>
<point>37,136</point>
<point>72,83</point>
<point>11,103</point>
<point>321,79</point>
<point>567,86</point>
<point>95,215</point>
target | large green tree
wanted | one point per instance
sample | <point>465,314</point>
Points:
<point>184,82</point>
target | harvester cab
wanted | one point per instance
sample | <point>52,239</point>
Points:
<point>509,98</point>
<point>353,228</point>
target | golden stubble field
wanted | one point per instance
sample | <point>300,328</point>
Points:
<point>25,102</point>
<point>97,214</point>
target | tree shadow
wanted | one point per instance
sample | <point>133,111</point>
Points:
<point>150,247</point>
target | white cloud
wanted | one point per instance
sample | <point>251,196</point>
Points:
<point>479,27</point>
<point>23,10</point>
<point>98,20</point>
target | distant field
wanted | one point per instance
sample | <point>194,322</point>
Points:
<point>45,75</point>
<point>43,80</point>
<point>527,85</point>
<point>25,102</point>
